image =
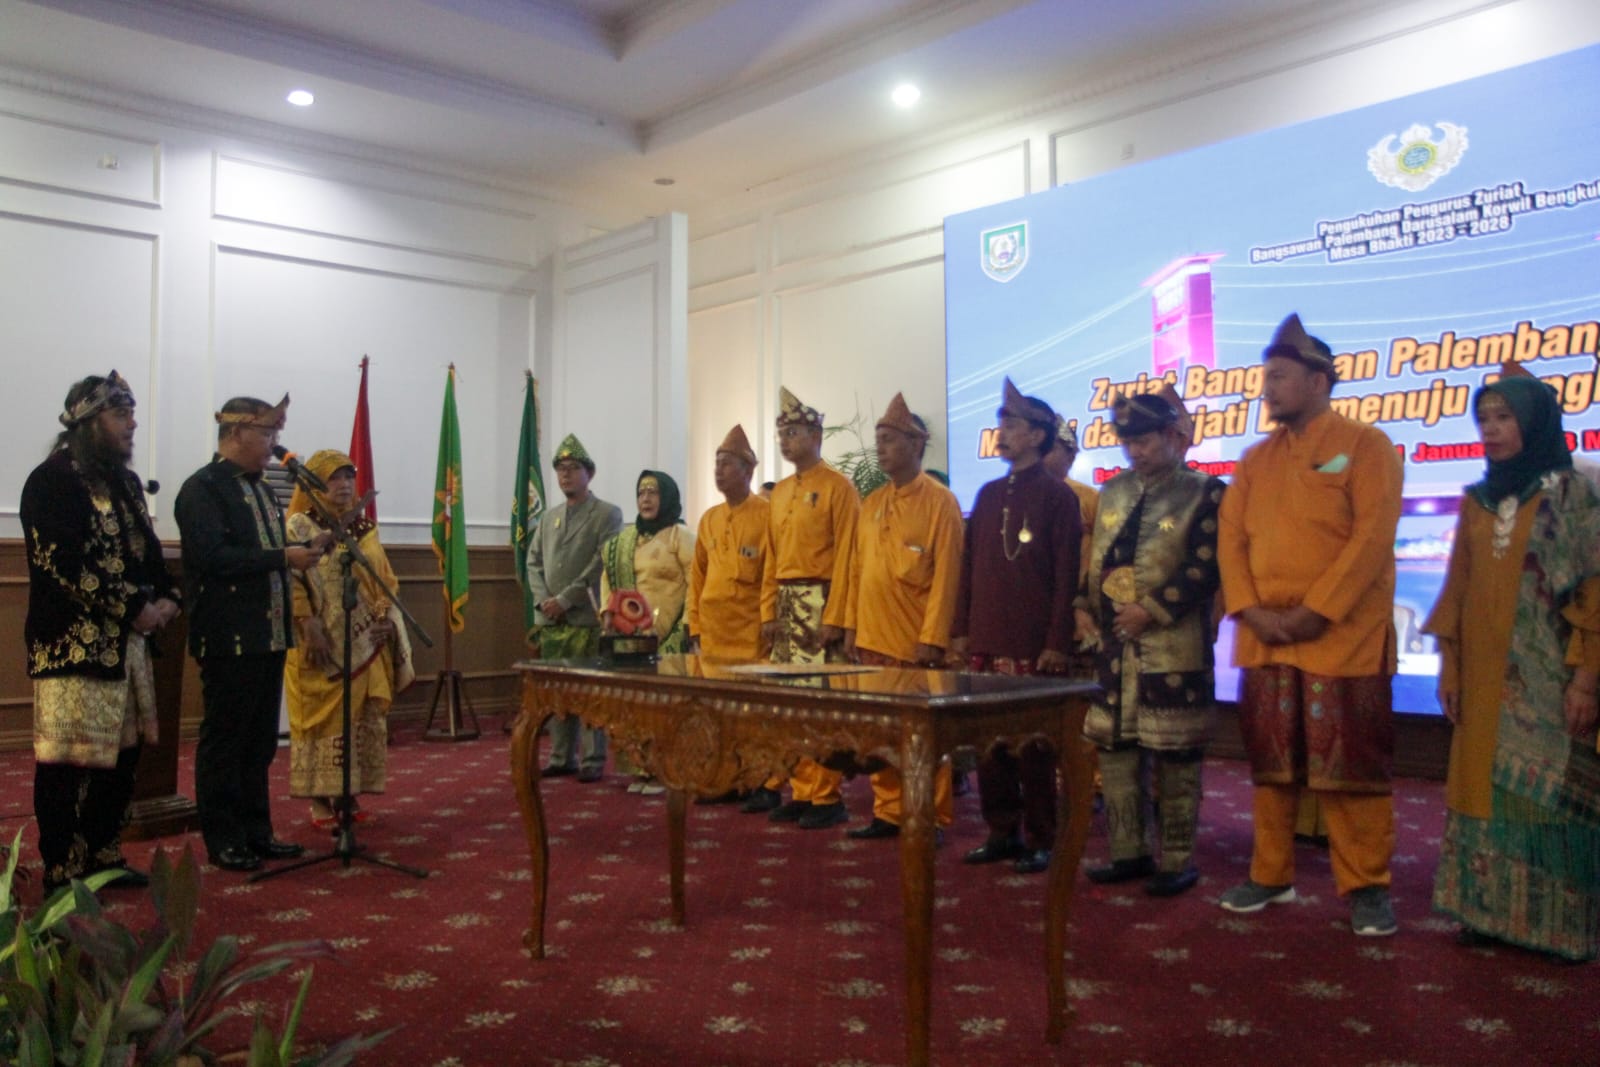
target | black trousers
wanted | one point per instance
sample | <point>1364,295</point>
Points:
<point>81,812</point>
<point>238,740</point>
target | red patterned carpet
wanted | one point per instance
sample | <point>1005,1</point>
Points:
<point>792,955</point>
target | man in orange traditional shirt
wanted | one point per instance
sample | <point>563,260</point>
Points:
<point>724,613</point>
<point>1307,554</point>
<point>805,592</point>
<point>903,579</point>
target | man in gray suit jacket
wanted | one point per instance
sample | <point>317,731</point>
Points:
<point>564,576</point>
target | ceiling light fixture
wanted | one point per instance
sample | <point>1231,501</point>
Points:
<point>905,95</point>
<point>666,181</point>
<point>301,98</point>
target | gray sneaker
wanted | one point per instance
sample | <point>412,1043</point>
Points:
<point>1252,897</point>
<point>1371,914</point>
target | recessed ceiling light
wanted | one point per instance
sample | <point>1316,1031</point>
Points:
<point>905,95</point>
<point>666,181</point>
<point>301,98</point>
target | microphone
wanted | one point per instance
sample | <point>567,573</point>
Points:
<point>152,487</point>
<point>298,469</point>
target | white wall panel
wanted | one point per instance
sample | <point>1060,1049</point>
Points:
<point>78,160</point>
<point>277,196</point>
<point>611,386</point>
<point>727,385</point>
<point>847,348</point>
<point>74,301</point>
<point>283,324</point>
<point>618,366</point>
<point>725,256</point>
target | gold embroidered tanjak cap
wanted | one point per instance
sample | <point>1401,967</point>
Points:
<point>1066,434</point>
<point>1292,342</point>
<point>271,419</point>
<point>1509,368</point>
<point>791,412</point>
<point>113,392</point>
<point>1028,408</point>
<point>899,417</point>
<point>1142,413</point>
<point>737,444</point>
<point>1185,422</point>
<point>572,448</point>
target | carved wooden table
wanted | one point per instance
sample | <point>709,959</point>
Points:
<point>702,729</point>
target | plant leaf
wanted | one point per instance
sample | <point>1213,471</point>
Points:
<point>263,1049</point>
<point>6,876</point>
<point>344,1052</point>
<point>292,1023</point>
<point>94,1045</point>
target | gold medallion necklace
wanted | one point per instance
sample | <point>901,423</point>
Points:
<point>1024,535</point>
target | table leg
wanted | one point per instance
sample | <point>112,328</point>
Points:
<point>918,764</point>
<point>1076,810</point>
<point>677,816</point>
<point>525,778</point>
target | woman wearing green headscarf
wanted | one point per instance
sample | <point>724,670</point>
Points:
<point>1518,625</point>
<point>652,556</point>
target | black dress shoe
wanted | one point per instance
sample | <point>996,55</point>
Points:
<point>761,801</point>
<point>558,770</point>
<point>1122,871</point>
<point>591,774</point>
<point>822,816</point>
<point>1171,883</point>
<point>1033,862</point>
<point>873,830</point>
<point>996,849</point>
<point>732,796</point>
<point>1467,937</point>
<point>789,812</point>
<point>273,849</point>
<point>236,858</point>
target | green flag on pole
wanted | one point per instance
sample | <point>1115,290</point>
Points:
<point>527,497</point>
<point>449,530</point>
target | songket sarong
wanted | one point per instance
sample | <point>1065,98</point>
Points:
<point>1326,733</point>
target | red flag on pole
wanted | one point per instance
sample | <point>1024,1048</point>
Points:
<point>361,446</point>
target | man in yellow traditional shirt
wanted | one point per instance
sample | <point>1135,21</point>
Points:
<point>730,550</point>
<point>903,579</point>
<point>1307,553</point>
<point>805,592</point>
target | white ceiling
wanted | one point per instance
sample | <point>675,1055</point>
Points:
<point>595,99</point>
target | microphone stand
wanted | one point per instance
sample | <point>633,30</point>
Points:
<point>345,847</point>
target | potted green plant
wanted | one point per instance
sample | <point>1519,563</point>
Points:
<point>77,988</point>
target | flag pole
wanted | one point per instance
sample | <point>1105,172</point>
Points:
<point>448,683</point>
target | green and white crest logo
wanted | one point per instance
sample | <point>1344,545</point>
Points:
<point>1004,251</point>
<point>1416,159</point>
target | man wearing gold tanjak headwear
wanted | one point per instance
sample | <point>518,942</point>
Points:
<point>236,563</point>
<point>730,553</point>
<point>1151,581</point>
<point>313,679</point>
<point>903,580</point>
<point>805,592</point>
<point>1307,553</point>
<point>1019,576</point>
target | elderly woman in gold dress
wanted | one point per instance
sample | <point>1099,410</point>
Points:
<point>380,656</point>
<point>652,556</point>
